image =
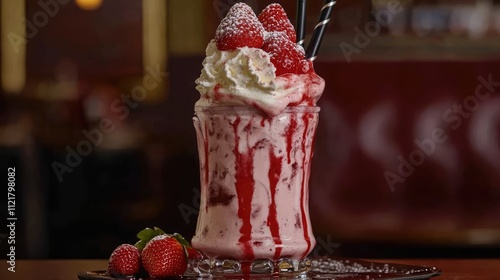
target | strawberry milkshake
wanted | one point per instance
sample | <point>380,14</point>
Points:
<point>255,121</point>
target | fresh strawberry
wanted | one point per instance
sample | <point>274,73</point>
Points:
<point>241,7</point>
<point>286,56</point>
<point>305,66</point>
<point>274,19</point>
<point>124,261</point>
<point>240,28</point>
<point>146,235</point>
<point>164,256</point>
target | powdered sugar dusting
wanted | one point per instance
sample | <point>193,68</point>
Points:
<point>241,7</point>
<point>274,19</point>
<point>240,28</point>
<point>285,55</point>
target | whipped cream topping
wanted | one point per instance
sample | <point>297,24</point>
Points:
<point>246,76</point>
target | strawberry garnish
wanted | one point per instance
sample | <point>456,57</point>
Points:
<point>146,235</point>
<point>124,261</point>
<point>161,255</point>
<point>286,56</point>
<point>240,28</point>
<point>164,256</point>
<point>305,66</point>
<point>274,19</point>
<point>240,7</point>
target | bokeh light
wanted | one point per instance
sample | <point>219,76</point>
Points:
<point>89,4</point>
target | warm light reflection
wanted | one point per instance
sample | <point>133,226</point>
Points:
<point>13,47</point>
<point>154,40</point>
<point>89,4</point>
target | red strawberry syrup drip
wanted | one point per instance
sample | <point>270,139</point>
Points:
<point>246,268</point>
<point>272,219</point>
<point>303,194</point>
<point>244,190</point>
<point>263,122</point>
<point>289,137</point>
<point>217,94</point>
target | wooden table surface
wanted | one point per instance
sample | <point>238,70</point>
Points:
<point>68,269</point>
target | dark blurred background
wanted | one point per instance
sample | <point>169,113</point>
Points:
<point>95,115</point>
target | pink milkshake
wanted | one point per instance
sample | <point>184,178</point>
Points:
<point>254,178</point>
<point>255,123</point>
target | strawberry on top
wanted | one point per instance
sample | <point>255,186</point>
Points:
<point>285,55</point>
<point>240,28</point>
<point>274,19</point>
<point>272,32</point>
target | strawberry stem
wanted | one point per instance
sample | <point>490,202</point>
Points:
<point>146,235</point>
<point>181,240</point>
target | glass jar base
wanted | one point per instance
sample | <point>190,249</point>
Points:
<point>260,267</point>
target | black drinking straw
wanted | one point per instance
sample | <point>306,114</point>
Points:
<point>301,21</point>
<point>319,30</point>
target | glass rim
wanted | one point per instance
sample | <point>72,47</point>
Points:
<point>251,109</point>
